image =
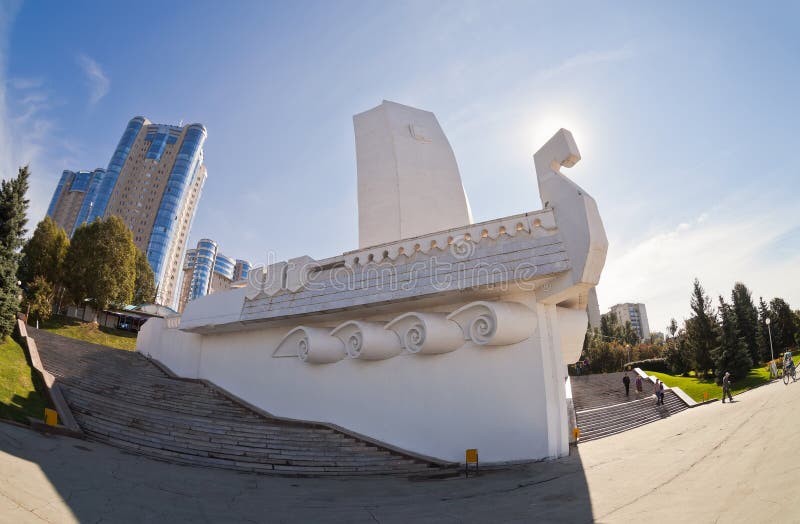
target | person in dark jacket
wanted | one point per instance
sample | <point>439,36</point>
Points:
<point>726,387</point>
<point>627,381</point>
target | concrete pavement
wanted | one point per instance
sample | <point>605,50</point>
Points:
<point>730,463</point>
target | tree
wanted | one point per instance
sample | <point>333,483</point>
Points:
<point>702,331</point>
<point>783,325</point>
<point>39,298</point>
<point>13,217</point>
<point>762,337</point>
<point>144,291</point>
<point>746,319</point>
<point>43,255</point>
<point>630,335</point>
<point>609,326</point>
<point>732,355</point>
<point>678,356</point>
<point>101,264</point>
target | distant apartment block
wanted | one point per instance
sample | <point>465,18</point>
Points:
<point>153,182</point>
<point>206,271</point>
<point>636,314</point>
<point>70,195</point>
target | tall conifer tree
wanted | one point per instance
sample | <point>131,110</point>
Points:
<point>13,217</point>
<point>732,355</point>
<point>746,319</point>
<point>702,331</point>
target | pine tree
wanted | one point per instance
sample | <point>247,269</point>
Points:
<point>702,331</point>
<point>783,325</point>
<point>732,355</point>
<point>673,327</point>
<point>763,333</point>
<point>746,319</point>
<point>13,217</point>
<point>101,264</point>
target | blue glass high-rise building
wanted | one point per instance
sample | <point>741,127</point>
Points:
<point>159,175</point>
<point>153,182</point>
<point>241,270</point>
<point>71,193</point>
<point>206,270</point>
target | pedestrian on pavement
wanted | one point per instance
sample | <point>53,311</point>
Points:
<point>726,387</point>
<point>627,381</point>
<point>655,390</point>
<point>578,368</point>
<point>586,364</point>
<point>661,393</point>
<point>638,384</point>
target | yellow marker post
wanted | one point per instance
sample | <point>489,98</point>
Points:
<point>705,396</point>
<point>472,458</point>
<point>50,417</point>
<point>576,433</point>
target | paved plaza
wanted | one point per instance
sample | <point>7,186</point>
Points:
<point>721,462</point>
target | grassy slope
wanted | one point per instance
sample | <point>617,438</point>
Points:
<point>18,395</point>
<point>695,387</point>
<point>68,327</point>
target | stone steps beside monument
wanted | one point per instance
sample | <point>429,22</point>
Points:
<point>192,449</point>
<point>110,381</point>
<point>604,389</point>
<point>605,421</point>
<point>122,399</point>
<point>165,423</point>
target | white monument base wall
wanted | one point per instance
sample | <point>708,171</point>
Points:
<point>507,401</point>
<point>447,340</point>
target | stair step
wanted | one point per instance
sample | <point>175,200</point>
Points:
<point>602,409</point>
<point>122,399</point>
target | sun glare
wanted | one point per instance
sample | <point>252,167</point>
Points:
<point>545,126</point>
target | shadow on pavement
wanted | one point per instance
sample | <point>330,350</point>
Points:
<point>63,478</point>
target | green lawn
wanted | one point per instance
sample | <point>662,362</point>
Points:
<point>70,327</point>
<point>18,392</point>
<point>695,387</point>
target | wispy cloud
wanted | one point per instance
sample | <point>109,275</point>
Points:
<point>25,83</point>
<point>96,78</point>
<point>586,59</point>
<point>28,130</point>
<point>737,242</point>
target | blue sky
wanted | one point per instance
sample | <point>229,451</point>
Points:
<point>686,115</point>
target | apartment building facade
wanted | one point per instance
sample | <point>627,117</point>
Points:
<point>636,314</point>
<point>206,271</point>
<point>70,195</point>
<point>153,182</point>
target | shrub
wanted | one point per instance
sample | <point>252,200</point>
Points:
<point>658,365</point>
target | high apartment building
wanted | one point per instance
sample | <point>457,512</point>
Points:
<point>70,194</point>
<point>636,314</point>
<point>206,270</point>
<point>153,182</point>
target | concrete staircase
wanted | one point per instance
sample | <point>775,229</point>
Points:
<point>602,409</point>
<point>122,399</point>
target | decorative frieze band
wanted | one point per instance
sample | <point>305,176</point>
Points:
<point>484,323</point>
<point>460,241</point>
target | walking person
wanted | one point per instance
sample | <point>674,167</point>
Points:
<point>638,385</point>
<point>661,389</point>
<point>627,382</point>
<point>578,368</point>
<point>656,390</point>
<point>726,387</point>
